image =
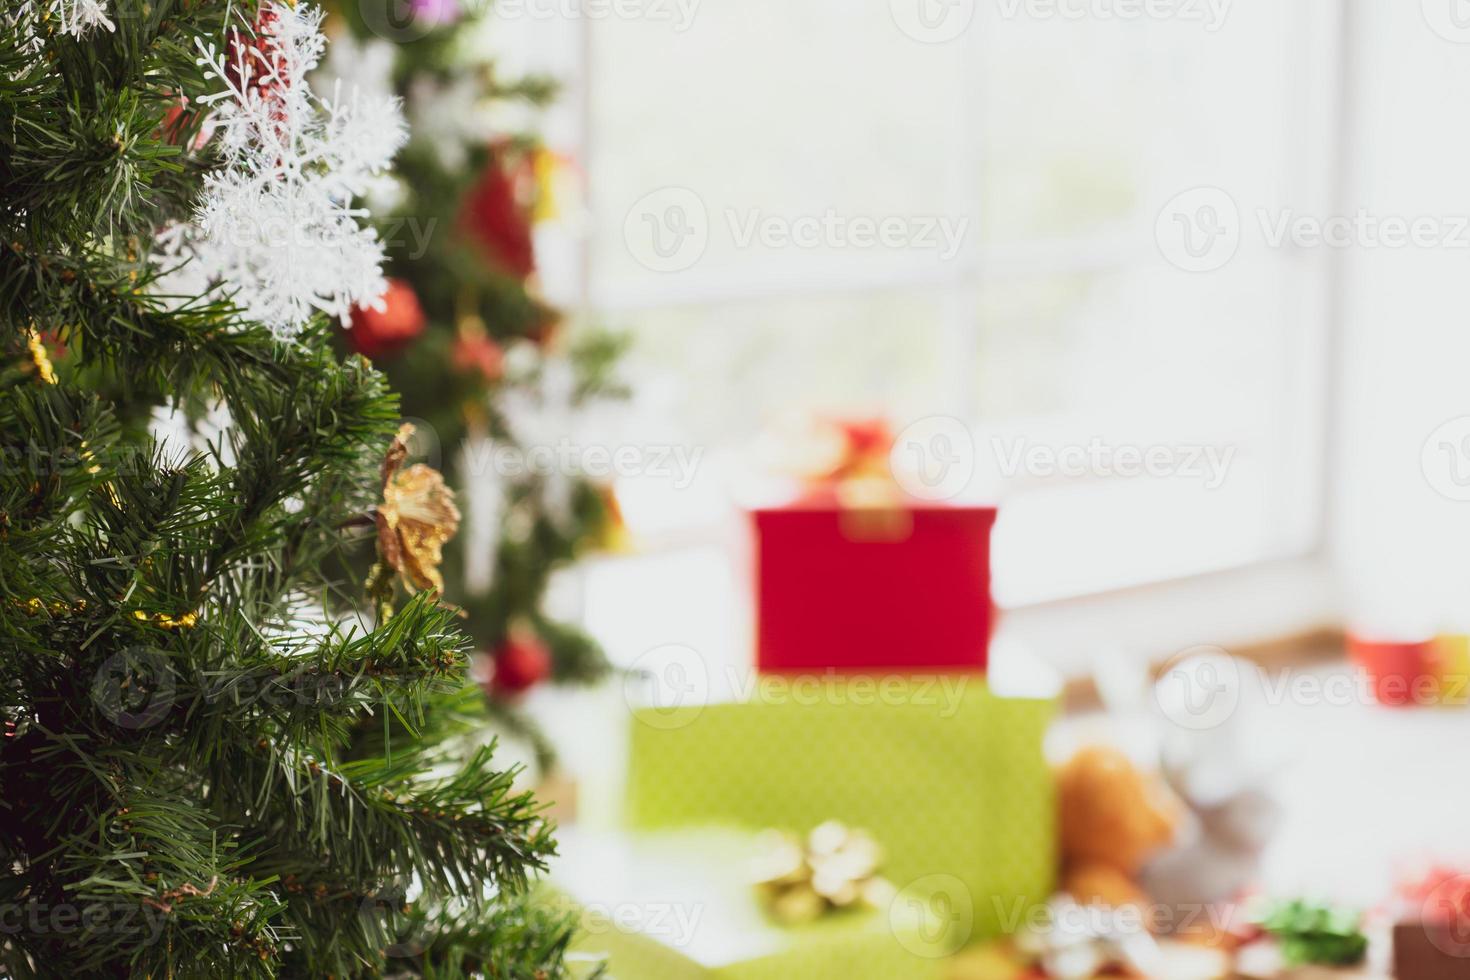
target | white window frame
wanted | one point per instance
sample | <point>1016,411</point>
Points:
<point>1289,593</point>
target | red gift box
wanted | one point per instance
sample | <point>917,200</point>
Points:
<point>903,588</point>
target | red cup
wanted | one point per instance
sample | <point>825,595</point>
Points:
<point>1401,672</point>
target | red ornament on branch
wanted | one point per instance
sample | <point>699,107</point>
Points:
<point>518,664</point>
<point>251,58</point>
<point>478,355</point>
<point>497,214</point>
<point>380,333</point>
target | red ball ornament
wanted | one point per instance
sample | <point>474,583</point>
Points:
<point>479,355</point>
<point>380,333</point>
<point>252,61</point>
<point>497,214</point>
<point>520,663</point>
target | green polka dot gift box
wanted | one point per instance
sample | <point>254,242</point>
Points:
<point>945,774</point>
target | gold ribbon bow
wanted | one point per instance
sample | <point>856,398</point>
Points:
<point>801,880</point>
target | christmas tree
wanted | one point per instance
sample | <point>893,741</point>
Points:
<point>469,338</point>
<point>210,763</point>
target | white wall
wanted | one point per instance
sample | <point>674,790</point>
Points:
<point>1401,547</point>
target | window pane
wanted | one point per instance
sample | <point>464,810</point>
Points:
<point>1084,379</point>
<point>1090,124</point>
<point>1144,347</point>
<point>720,375</point>
<point>768,109</point>
<point>1052,300</point>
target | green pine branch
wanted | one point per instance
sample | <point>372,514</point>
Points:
<point>187,788</point>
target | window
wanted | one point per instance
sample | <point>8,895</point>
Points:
<point>808,206</point>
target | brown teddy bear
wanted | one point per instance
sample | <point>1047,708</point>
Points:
<point>1113,818</point>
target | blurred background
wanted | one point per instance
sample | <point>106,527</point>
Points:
<point>1174,284</point>
<point>1075,156</point>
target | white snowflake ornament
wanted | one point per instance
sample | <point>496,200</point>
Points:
<point>80,16</point>
<point>74,17</point>
<point>450,117</point>
<point>364,65</point>
<point>276,229</point>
